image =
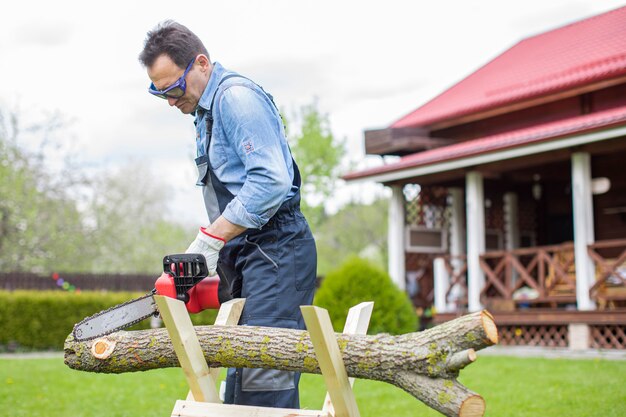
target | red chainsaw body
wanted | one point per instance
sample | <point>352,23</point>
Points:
<point>202,296</point>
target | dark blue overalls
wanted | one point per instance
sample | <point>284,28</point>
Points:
<point>274,269</point>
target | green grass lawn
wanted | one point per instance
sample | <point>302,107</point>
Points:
<point>510,386</point>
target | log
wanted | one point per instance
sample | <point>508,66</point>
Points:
<point>425,364</point>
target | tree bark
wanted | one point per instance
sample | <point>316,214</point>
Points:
<point>425,364</point>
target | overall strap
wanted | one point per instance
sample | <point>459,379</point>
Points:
<point>209,113</point>
<point>297,179</point>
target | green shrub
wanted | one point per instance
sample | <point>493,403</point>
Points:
<point>38,320</point>
<point>358,280</point>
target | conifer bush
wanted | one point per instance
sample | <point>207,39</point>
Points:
<point>358,280</point>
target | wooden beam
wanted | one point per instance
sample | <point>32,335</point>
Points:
<point>228,315</point>
<point>401,141</point>
<point>330,360</point>
<point>196,409</point>
<point>357,323</point>
<point>187,348</point>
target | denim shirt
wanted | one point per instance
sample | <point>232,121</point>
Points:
<point>249,153</point>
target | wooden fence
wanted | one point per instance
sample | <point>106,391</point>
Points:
<point>11,281</point>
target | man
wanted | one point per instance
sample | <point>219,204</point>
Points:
<point>258,241</point>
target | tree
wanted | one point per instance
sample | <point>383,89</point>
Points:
<point>121,225</point>
<point>40,227</point>
<point>318,155</point>
<point>356,229</point>
<point>130,231</point>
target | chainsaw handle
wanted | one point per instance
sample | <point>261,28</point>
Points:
<point>185,278</point>
<point>187,269</point>
<point>201,296</point>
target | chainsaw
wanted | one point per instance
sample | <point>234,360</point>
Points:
<point>184,278</point>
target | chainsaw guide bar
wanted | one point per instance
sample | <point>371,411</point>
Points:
<point>116,318</point>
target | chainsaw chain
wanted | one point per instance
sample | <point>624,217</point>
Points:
<point>115,307</point>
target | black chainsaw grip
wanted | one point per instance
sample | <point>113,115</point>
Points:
<point>187,269</point>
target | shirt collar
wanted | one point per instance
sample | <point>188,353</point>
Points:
<point>211,87</point>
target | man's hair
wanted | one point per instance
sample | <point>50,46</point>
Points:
<point>175,41</point>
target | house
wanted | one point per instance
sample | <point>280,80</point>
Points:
<point>510,190</point>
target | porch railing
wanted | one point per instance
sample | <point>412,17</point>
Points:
<point>547,273</point>
<point>538,275</point>
<point>455,270</point>
<point>609,257</point>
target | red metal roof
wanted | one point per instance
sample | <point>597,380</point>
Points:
<point>512,139</point>
<point>578,54</point>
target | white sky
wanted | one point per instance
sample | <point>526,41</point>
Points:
<point>367,62</point>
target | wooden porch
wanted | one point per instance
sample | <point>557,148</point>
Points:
<point>557,328</point>
<point>540,277</point>
<point>532,294</point>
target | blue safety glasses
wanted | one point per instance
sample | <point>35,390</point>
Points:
<point>176,90</point>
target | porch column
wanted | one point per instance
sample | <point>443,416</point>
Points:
<point>457,231</point>
<point>511,227</point>
<point>475,206</point>
<point>511,223</point>
<point>442,283</point>
<point>395,237</point>
<point>584,235</point>
<point>457,238</point>
<point>457,248</point>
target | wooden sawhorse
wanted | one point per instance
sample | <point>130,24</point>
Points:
<point>203,399</point>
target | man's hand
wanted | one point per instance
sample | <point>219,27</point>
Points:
<point>208,245</point>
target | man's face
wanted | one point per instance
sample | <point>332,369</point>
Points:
<point>164,72</point>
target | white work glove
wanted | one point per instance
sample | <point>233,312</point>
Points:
<point>209,246</point>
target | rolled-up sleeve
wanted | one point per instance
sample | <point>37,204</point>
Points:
<point>254,131</point>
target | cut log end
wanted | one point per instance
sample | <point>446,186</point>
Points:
<point>461,359</point>
<point>102,348</point>
<point>473,406</point>
<point>489,325</point>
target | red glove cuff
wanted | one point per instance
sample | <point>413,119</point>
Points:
<point>203,230</point>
